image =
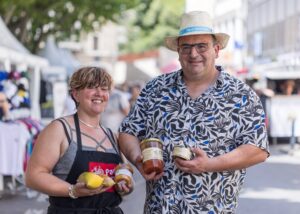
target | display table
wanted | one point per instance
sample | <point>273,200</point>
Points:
<point>13,139</point>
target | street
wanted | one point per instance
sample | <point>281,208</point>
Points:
<point>271,187</point>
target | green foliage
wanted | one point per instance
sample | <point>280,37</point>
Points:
<point>31,21</point>
<point>150,23</point>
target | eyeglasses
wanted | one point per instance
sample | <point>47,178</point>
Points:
<point>187,48</point>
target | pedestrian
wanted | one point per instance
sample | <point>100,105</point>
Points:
<point>78,143</point>
<point>217,116</point>
<point>287,87</point>
<point>118,107</point>
<point>135,90</point>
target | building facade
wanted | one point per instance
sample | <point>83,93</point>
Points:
<point>273,31</point>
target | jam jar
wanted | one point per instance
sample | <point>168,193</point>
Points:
<point>152,155</point>
<point>182,152</point>
<point>123,172</point>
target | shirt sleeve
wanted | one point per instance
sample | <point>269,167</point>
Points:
<point>252,128</point>
<point>134,122</point>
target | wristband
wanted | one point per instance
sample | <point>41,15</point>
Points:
<point>71,192</point>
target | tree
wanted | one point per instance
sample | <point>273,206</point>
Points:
<point>31,21</point>
<point>150,23</point>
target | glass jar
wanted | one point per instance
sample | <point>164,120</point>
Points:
<point>182,152</point>
<point>152,155</point>
<point>123,172</point>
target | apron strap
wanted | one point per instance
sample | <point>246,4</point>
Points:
<point>112,139</point>
<point>78,134</point>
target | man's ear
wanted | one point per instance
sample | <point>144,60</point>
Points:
<point>217,49</point>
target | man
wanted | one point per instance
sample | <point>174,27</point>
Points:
<point>219,117</point>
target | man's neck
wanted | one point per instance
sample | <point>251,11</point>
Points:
<point>196,87</point>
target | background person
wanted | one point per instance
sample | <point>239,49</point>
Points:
<point>75,144</point>
<point>215,114</point>
<point>4,107</point>
<point>117,108</point>
<point>135,91</point>
<point>287,87</point>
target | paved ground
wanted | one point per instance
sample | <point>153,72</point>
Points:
<point>271,187</point>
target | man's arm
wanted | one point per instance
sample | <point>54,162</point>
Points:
<point>242,157</point>
<point>130,147</point>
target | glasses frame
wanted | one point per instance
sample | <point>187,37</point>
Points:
<point>186,49</point>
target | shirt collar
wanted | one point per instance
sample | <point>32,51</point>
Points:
<point>219,83</point>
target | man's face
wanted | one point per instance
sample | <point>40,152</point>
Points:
<point>197,54</point>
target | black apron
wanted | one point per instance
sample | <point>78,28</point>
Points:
<point>103,203</point>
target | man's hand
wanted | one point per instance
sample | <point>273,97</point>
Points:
<point>197,165</point>
<point>151,176</point>
<point>240,158</point>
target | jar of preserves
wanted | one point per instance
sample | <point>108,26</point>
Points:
<point>124,172</point>
<point>182,152</point>
<point>152,155</point>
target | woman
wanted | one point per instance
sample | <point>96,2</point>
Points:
<point>78,143</point>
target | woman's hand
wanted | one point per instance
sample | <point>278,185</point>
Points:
<point>81,190</point>
<point>124,188</point>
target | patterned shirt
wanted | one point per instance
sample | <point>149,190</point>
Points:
<point>228,114</point>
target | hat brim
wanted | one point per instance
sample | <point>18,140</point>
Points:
<point>171,42</point>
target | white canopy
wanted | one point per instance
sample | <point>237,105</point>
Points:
<point>13,52</point>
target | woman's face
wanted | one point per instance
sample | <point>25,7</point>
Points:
<point>92,100</point>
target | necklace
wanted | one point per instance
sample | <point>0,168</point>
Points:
<point>89,125</point>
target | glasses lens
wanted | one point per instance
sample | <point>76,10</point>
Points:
<point>185,49</point>
<point>200,48</point>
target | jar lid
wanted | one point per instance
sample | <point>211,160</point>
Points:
<point>151,140</point>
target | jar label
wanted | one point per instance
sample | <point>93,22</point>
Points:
<point>152,153</point>
<point>184,153</point>
<point>123,172</point>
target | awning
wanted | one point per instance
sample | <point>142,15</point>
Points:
<point>14,51</point>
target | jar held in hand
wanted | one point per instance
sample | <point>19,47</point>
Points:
<point>182,152</point>
<point>124,172</point>
<point>152,155</point>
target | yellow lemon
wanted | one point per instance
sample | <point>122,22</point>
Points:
<point>91,180</point>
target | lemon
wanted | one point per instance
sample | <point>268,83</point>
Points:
<point>91,180</point>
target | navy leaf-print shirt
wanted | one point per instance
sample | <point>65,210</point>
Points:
<point>225,116</point>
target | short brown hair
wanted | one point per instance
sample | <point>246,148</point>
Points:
<point>90,77</point>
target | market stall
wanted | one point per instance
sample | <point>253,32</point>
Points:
<point>20,73</point>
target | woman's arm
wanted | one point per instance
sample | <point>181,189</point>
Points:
<point>50,145</point>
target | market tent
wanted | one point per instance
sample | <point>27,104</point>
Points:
<point>58,56</point>
<point>8,40</point>
<point>13,52</point>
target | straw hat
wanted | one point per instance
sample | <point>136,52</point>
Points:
<point>196,23</point>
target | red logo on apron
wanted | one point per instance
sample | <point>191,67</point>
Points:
<point>103,169</point>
